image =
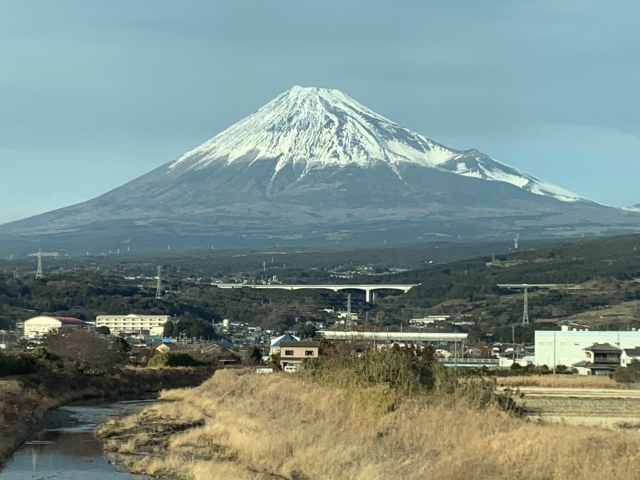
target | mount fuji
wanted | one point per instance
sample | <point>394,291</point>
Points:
<point>314,165</point>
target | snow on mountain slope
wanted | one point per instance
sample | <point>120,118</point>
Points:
<point>315,128</point>
<point>473,163</point>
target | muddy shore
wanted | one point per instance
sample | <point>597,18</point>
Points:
<point>25,401</point>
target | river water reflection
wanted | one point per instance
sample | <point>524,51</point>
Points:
<point>68,450</point>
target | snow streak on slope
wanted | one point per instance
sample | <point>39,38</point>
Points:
<point>315,128</point>
<point>472,163</point>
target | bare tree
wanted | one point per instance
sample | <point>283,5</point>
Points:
<point>87,349</point>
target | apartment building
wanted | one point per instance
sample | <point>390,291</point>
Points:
<point>140,324</point>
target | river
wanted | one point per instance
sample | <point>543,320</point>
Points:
<point>67,450</point>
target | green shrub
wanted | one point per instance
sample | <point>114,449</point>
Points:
<point>43,353</point>
<point>103,330</point>
<point>17,364</point>
<point>626,375</point>
<point>173,359</point>
<point>406,371</point>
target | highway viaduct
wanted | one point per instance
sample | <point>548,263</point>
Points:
<point>367,288</point>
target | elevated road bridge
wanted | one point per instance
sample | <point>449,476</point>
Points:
<point>367,288</point>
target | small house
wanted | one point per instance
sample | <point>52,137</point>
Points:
<point>292,354</point>
<point>275,342</point>
<point>629,355</point>
<point>602,359</point>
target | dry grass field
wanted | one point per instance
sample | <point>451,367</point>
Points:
<point>19,405</point>
<point>245,426</point>
<point>559,381</point>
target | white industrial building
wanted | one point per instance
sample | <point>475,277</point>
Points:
<point>140,324</point>
<point>408,337</point>
<point>43,325</point>
<point>566,348</point>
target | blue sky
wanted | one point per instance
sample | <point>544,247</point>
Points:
<point>94,94</point>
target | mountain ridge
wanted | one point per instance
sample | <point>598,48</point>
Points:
<point>314,165</point>
<point>313,127</point>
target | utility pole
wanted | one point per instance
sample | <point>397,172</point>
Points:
<point>159,284</point>
<point>513,341</point>
<point>554,352</point>
<point>455,352</point>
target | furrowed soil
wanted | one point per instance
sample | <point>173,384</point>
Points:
<point>25,398</point>
<point>559,381</point>
<point>601,407</point>
<point>242,425</point>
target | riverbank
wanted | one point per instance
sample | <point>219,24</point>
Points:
<point>67,449</point>
<point>24,399</point>
<point>246,426</point>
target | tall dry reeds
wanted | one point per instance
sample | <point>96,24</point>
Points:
<point>254,426</point>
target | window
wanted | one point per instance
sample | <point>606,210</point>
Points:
<point>308,353</point>
<point>288,353</point>
<point>576,343</point>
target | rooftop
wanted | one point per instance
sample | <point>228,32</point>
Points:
<point>287,337</point>
<point>604,348</point>
<point>595,366</point>
<point>300,344</point>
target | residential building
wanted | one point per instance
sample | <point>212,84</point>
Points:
<point>429,319</point>
<point>602,359</point>
<point>292,354</point>
<point>141,324</point>
<point>274,348</point>
<point>553,348</point>
<point>38,326</point>
<point>629,355</point>
<point>568,326</point>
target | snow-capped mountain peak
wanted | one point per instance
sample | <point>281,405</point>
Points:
<point>314,128</point>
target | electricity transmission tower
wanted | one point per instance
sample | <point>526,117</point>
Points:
<point>525,287</point>
<point>40,254</point>
<point>159,284</point>
<point>348,321</point>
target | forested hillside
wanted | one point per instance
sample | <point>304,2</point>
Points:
<point>606,272</point>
